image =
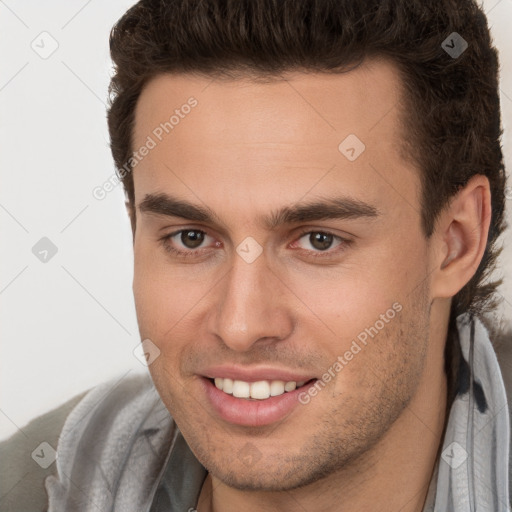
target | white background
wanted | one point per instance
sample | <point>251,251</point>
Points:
<point>68,324</point>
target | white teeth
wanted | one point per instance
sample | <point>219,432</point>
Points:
<point>290,386</point>
<point>260,390</point>
<point>241,389</point>
<point>276,387</point>
<point>227,386</point>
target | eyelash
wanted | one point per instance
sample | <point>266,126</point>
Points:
<point>344,244</point>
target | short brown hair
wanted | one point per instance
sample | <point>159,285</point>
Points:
<point>452,100</point>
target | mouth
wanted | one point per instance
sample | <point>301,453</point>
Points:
<point>255,403</point>
<point>258,390</point>
<point>256,395</point>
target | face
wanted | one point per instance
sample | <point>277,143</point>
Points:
<point>273,249</point>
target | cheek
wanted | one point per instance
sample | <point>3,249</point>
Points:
<point>367,300</point>
<point>157,298</point>
<point>345,301</point>
<point>382,362</point>
<point>391,272</point>
<point>163,294</point>
<point>162,302</point>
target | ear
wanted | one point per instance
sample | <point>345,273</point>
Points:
<point>460,238</point>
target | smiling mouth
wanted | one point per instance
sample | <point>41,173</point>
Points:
<point>259,390</point>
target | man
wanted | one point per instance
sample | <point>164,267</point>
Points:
<point>315,191</point>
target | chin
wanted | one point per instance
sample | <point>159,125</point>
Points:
<point>255,481</point>
<point>278,474</point>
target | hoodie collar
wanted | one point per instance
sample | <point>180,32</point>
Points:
<point>473,470</point>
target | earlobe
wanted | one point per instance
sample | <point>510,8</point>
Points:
<point>461,237</point>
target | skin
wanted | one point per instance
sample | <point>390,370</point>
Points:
<point>369,440</point>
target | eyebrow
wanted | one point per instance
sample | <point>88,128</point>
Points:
<point>324,209</point>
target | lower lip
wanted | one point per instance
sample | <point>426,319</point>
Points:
<point>252,413</point>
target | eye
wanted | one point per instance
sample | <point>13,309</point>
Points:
<point>187,242</point>
<point>191,238</point>
<point>320,242</point>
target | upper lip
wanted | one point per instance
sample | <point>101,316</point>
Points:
<point>254,374</point>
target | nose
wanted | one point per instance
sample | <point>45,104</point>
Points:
<point>251,306</point>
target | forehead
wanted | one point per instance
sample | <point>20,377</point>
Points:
<point>293,134</point>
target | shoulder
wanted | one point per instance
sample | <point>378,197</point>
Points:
<point>112,447</point>
<point>28,457</point>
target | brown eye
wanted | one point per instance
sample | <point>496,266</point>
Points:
<point>321,241</point>
<point>192,238</point>
<point>189,243</point>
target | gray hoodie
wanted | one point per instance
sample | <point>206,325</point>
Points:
<point>120,449</point>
